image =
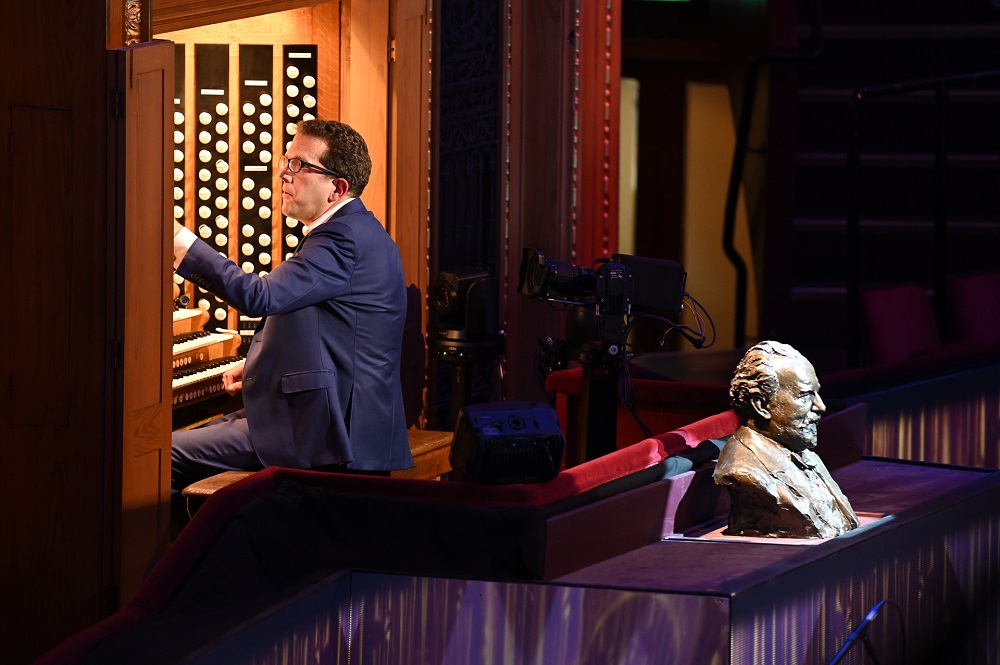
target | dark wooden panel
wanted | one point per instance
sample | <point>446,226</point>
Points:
<point>48,442</point>
<point>41,227</point>
<point>53,551</point>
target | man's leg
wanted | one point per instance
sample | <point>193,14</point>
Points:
<point>221,445</point>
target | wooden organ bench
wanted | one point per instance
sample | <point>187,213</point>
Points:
<point>430,449</point>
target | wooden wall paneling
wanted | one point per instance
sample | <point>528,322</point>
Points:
<point>364,88</point>
<point>53,550</point>
<point>409,133</point>
<point>145,82</point>
<point>172,15</point>
<point>326,31</point>
<point>539,173</point>
<point>408,216</point>
<point>116,24</point>
<point>52,451</point>
<point>42,312</point>
<point>294,26</point>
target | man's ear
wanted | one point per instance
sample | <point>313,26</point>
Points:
<point>760,409</point>
<point>338,189</point>
<point>342,187</point>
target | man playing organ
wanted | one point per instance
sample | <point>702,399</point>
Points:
<point>321,380</point>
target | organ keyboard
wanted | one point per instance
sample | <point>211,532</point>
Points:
<point>201,346</point>
<point>201,381</point>
<point>200,358</point>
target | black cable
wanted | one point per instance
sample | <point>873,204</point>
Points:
<point>696,336</point>
<point>626,395</point>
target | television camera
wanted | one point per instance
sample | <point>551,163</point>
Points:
<point>619,290</point>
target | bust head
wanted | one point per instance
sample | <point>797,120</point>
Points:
<point>776,393</point>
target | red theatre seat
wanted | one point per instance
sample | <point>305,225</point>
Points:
<point>899,322</point>
<point>662,405</point>
<point>974,306</point>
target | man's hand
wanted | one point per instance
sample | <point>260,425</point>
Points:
<point>232,380</point>
<point>177,227</point>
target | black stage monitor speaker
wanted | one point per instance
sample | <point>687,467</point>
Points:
<point>507,442</point>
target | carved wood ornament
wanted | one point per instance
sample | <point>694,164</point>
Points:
<point>133,22</point>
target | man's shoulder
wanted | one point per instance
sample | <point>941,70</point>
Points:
<point>351,221</point>
<point>748,449</point>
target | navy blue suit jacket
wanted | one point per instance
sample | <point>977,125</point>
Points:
<point>321,383</point>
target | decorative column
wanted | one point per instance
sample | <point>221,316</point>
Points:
<point>596,139</point>
<point>129,22</point>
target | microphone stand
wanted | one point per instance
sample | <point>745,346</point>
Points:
<point>861,632</point>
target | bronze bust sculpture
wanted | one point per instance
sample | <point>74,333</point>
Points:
<point>779,487</point>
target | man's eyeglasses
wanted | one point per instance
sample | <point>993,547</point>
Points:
<point>294,165</point>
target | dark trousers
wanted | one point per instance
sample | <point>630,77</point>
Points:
<point>221,445</point>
